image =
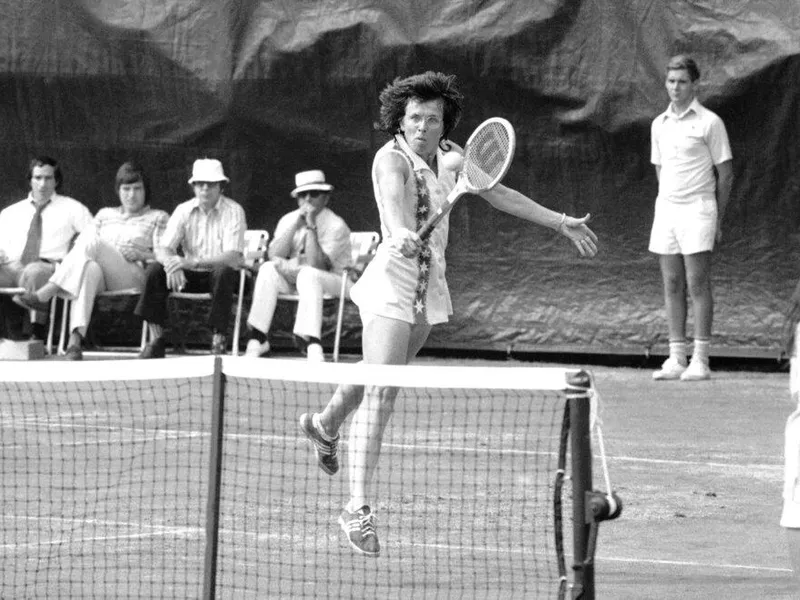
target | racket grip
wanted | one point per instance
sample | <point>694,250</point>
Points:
<point>425,231</point>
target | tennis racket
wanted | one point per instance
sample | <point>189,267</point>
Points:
<point>487,156</point>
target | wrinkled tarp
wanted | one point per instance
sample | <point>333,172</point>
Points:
<point>273,88</point>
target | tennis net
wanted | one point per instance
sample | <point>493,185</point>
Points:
<point>189,478</point>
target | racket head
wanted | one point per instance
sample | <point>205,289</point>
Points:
<point>488,154</point>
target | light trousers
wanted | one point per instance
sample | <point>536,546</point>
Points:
<point>31,277</point>
<point>312,285</point>
<point>93,266</point>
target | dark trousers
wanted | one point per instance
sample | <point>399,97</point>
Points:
<point>221,282</point>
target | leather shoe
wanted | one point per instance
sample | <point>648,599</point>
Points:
<point>73,353</point>
<point>155,349</point>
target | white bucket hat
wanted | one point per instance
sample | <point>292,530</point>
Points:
<point>310,180</point>
<point>207,169</point>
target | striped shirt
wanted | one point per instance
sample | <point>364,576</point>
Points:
<point>205,234</point>
<point>62,219</point>
<point>143,231</point>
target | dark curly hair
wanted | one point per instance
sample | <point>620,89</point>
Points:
<point>423,87</point>
<point>47,161</point>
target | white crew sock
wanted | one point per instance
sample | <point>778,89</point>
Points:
<point>677,351</point>
<point>320,429</point>
<point>701,348</point>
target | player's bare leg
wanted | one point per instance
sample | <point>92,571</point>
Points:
<point>674,280</point>
<point>698,279</point>
<point>370,421</point>
<point>322,429</point>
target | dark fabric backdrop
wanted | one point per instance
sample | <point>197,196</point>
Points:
<point>272,88</point>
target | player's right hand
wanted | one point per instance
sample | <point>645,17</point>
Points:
<point>406,242</point>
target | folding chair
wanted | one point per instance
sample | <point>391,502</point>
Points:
<point>363,245</point>
<point>128,292</point>
<point>13,291</point>
<point>255,248</point>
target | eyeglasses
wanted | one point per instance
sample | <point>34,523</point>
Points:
<point>310,193</point>
<point>206,183</point>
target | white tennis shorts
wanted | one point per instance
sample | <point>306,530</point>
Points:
<point>684,228</point>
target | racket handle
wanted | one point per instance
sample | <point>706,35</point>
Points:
<point>426,230</point>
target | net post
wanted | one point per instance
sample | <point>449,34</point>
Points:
<point>214,481</point>
<point>579,385</point>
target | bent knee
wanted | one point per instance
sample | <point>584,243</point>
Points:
<point>308,277</point>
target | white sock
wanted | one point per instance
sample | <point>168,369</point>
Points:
<point>320,429</point>
<point>355,504</point>
<point>701,350</point>
<point>677,350</point>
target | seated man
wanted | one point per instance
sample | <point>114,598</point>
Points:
<point>35,233</point>
<point>310,249</point>
<point>209,229</point>
<point>107,256</point>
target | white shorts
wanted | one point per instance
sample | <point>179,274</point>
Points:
<point>684,228</point>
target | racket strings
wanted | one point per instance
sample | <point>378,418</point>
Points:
<point>487,155</point>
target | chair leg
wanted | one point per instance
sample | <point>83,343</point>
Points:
<point>52,326</point>
<point>339,317</point>
<point>145,335</point>
<point>237,324</point>
<point>62,340</point>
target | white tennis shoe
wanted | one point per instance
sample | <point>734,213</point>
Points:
<point>671,369</point>
<point>698,370</point>
<point>255,348</point>
<point>315,353</point>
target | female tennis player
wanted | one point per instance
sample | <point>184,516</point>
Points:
<point>403,292</point>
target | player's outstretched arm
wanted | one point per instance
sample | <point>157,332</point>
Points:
<point>517,204</point>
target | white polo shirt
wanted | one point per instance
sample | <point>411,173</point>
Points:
<point>62,219</point>
<point>686,147</point>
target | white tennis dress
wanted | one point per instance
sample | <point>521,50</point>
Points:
<point>389,286</point>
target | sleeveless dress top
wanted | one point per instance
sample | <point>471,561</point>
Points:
<point>413,290</point>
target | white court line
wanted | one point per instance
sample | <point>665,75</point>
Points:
<point>154,531</point>
<point>690,563</point>
<point>162,531</point>
<point>161,434</point>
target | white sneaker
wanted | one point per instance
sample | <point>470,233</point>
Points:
<point>315,353</point>
<point>255,348</point>
<point>671,369</point>
<point>698,371</point>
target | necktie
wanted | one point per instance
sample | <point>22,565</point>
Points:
<point>31,251</point>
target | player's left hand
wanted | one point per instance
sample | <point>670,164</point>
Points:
<point>585,239</point>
